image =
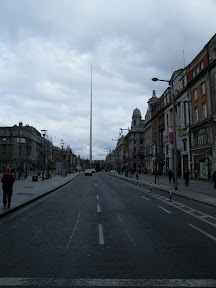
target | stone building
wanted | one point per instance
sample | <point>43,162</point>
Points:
<point>148,144</point>
<point>24,149</point>
<point>20,148</point>
<point>201,128</point>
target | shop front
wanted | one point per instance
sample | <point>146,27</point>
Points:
<point>202,166</point>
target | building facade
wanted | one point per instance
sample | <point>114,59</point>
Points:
<point>190,100</point>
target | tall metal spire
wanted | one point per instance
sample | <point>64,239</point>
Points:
<point>91,123</point>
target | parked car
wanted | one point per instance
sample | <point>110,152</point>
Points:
<point>88,172</point>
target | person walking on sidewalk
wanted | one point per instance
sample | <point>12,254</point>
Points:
<point>186,177</point>
<point>214,179</point>
<point>8,181</point>
<point>171,176</point>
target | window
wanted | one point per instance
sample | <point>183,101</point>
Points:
<point>194,74</point>
<point>185,145</point>
<point>204,110</point>
<point>197,69</point>
<point>167,116</point>
<point>134,122</point>
<point>195,94</point>
<point>203,88</point>
<point>202,65</point>
<point>196,115</point>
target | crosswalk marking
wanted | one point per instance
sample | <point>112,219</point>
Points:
<point>54,282</point>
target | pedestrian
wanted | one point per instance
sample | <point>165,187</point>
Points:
<point>214,179</point>
<point>171,176</point>
<point>186,177</point>
<point>7,180</point>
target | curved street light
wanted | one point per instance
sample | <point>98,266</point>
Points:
<point>170,82</point>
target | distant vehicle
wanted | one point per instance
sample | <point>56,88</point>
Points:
<point>88,172</point>
<point>93,170</point>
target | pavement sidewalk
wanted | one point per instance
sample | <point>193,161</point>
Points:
<point>26,190</point>
<point>199,190</point>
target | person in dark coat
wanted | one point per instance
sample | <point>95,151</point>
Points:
<point>8,181</point>
<point>186,177</point>
<point>171,176</point>
<point>214,179</point>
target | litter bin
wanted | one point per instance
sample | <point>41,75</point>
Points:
<point>34,178</point>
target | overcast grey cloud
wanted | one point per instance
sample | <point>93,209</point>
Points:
<point>47,48</point>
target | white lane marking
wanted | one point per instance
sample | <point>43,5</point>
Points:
<point>167,211</point>
<point>119,218</point>
<point>58,282</point>
<point>35,236</point>
<point>202,231</point>
<point>101,234</point>
<point>145,198</point>
<point>210,220</point>
<point>97,197</point>
<point>146,190</point>
<point>131,239</point>
<point>96,184</point>
<point>12,227</point>
<point>73,231</point>
<point>98,208</point>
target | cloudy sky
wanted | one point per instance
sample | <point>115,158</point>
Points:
<point>47,48</point>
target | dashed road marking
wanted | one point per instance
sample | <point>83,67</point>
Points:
<point>98,208</point>
<point>199,215</point>
<point>101,234</point>
<point>145,198</point>
<point>202,231</point>
<point>167,211</point>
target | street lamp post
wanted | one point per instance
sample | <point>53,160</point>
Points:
<point>43,132</point>
<point>174,128</point>
<point>62,154</point>
<point>189,124</point>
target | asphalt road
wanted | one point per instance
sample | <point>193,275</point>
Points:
<point>97,231</point>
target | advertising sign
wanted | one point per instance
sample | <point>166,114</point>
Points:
<point>170,137</point>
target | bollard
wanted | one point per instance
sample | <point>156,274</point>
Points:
<point>151,187</point>
<point>170,193</point>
